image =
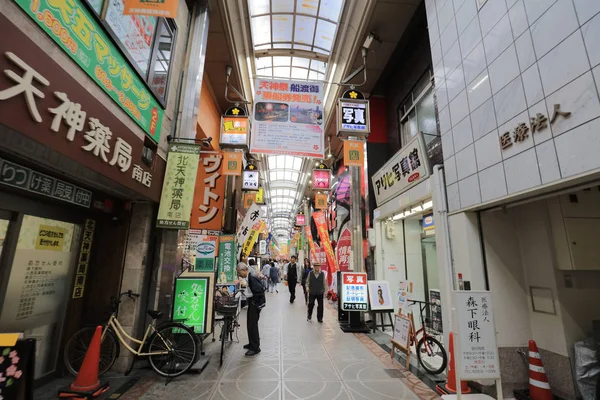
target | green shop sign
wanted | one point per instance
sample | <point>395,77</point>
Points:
<point>77,32</point>
<point>226,266</point>
<point>191,295</point>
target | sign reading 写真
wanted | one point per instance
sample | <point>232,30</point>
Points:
<point>353,117</point>
<point>354,291</point>
<point>76,31</point>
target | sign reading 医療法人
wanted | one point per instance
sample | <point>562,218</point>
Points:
<point>288,118</point>
<point>226,269</point>
<point>178,186</point>
<point>209,195</point>
<point>77,32</point>
<point>477,356</point>
<point>409,166</point>
<point>354,291</point>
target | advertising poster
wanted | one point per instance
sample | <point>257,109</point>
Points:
<point>435,299</point>
<point>428,223</point>
<point>178,186</point>
<point>209,195</point>
<point>234,131</point>
<point>321,223</point>
<point>163,8</point>
<point>226,270</point>
<point>252,238</point>
<point>380,297</point>
<point>401,331</point>
<point>288,118</point>
<point>403,291</point>
<point>354,291</point>
<point>191,301</point>
<point>206,252</point>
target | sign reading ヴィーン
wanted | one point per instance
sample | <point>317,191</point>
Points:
<point>477,354</point>
<point>288,118</point>
<point>77,32</point>
<point>405,169</point>
<point>209,196</point>
<point>178,187</point>
<point>43,102</point>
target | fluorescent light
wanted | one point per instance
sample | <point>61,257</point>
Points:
<point>479,83</point>
<point>427,205</point>
<point>398,216</point>
<point>416,209</point>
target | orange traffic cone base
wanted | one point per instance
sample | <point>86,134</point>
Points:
<point>69,393</point>
<point>446,389</point>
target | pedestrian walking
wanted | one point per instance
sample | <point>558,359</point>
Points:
<point>316,285</point>
<point>266,272</point>
<point>255,293</point>
<point>274,277</point>
<point>293,276</point>
<point>307,270</point>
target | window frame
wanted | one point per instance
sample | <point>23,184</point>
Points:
<point>404,117</point>
<point>171,24</point>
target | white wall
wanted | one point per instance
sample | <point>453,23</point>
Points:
<point>391,252</point>
<point>466,249</point>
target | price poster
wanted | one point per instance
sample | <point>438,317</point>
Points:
<point>354,291</point>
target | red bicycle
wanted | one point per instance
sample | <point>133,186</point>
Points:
<point>430,351</point>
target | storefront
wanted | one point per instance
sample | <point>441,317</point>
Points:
<point>71,176</point>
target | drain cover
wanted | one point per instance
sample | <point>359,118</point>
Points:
<point>394,373</point>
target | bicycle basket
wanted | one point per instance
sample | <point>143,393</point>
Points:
<point>226,305</point>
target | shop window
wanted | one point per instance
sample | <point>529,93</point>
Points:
<point>417,113</point>
<point>147,42</point>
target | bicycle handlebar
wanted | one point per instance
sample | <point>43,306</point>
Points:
<point>129,293</point>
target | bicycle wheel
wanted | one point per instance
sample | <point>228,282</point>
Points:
<point>431,355</point>
<point>224,335</point>
<point>172,350</point>
<point>78,345</point>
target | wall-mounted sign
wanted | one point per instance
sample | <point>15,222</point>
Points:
<point>354,153</point>
<point>160,8</point>
<point>300,219</point>
<point>428,222</point>
<point>250,180</point>
<point>320,201</point>
<point>232,163</point>
<point>84,258</point>
<point>226,268</point>
<point>209,195</point>
<point>354,291</point>
<point>178,186</point>
<point>234,132</point>
<point>408,167</point>
<point>14,175</point>
<point>249,199</point>
<point>520,133</point>
<point>288,118</point>
<point>206,252</point>
<point>80,35</point>
<point>321,179</point>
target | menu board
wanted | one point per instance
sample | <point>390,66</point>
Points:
<point>191,301</point>
<point>354,291</point>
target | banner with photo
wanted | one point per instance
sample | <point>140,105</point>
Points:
<point>288,118</point>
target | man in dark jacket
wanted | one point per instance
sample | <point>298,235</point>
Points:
<point>316,286</point>
<point>255,293</point>
<point>293,277</point>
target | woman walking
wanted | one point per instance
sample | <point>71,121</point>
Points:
<point>307,270</point>
<point>274,277</point>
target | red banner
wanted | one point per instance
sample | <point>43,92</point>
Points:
<point>321,223</point>
<point>343,248</point>
<point>311,243</point>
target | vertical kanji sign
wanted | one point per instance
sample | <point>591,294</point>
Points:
<point>477,354</point>
<point>354,291</point>
<point>226,267</point>
<point>207,209</point>
<point>178,187</point>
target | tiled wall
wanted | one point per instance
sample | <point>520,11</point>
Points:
<point>501,65</point>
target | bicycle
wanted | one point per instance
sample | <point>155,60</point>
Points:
<point>171,347</point>
<point>430,352</point>
<point>228,305</point>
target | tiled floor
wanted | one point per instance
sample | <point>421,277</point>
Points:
<point>299,360</point>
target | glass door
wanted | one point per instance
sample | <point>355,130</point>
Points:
<point>39,285</point>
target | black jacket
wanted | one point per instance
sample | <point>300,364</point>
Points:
<point>258,291</point>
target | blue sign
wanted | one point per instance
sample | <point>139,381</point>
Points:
<point>428,222</point>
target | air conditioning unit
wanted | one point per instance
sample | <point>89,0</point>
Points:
<point>390,231</point>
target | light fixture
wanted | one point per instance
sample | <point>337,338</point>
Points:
<point>316,163</point>
<point>416,209</point>
<point>427,205</point>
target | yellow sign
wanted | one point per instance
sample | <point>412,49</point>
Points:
<point>8,339</point>
<point>154,8</point>
<point>260,196</point>
<point>354,153</point>
<point>252,238</point>
<point>320,201</point>
<point>50,238</point>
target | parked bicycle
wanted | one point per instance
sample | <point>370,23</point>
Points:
<point>430,352</point>
<point>227,304</point>
<point>171,347</point>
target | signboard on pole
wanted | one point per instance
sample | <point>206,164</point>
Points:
<point>178,186</point>
<point>232,163</point>
<point>321,179</point>
<point>354,291</point>
<point>353,117</point>
<point>206,252</point>
<point>354,153</point>
<point>234,131</point>
<point>477,354</point>
<point>226,268</point>
<point>250,179</point>
<point>300,219</point>
<point>209,196</point>
<point>288,118</point>
<point>408,167</point>
<point>321,201</point>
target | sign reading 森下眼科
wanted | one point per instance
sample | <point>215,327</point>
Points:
<point>51,110</point>
<point>178,186</point>
<point>226,267</point>
<point>409,166</point>
<point>209,195</point>
<point>76,31</point>
<point>477,354</point>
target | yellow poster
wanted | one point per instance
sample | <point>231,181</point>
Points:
<point>260,196</point>
<point>252,238</point>
<point>50,238</point>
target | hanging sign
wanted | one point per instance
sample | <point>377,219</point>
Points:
<point>209,195</point>
<point>477,351</point>
<point>178,186</point>
<point>252,215</point>
<point>252,238</point>
<point>206,252</point>
<point>249,199</point>
<point>300,220</point>
<point>354,291</point>
<point>405,169</point>
<point>354,153</point>
<point>156,8</point>
<point>262,247</point>
<point>353,115</point>
<point>320,201</point>
<point>288,118</point>
<point>250,180</point>
<point>260,196</point>
<point>321,179</point>
<point>226,267</point>
<point>232,163</point>
<point>234,131</point>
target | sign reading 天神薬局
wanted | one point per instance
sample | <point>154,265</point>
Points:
<point>288,118</point>
<point>42,101</point>
<point>178,186</point>
<point>409,166</point>
<point>80,35</point>
<point>209,195</point>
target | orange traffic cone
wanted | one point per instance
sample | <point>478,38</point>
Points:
<point>87,384</point>
<point>539,388</point>
<point>450,386</point>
